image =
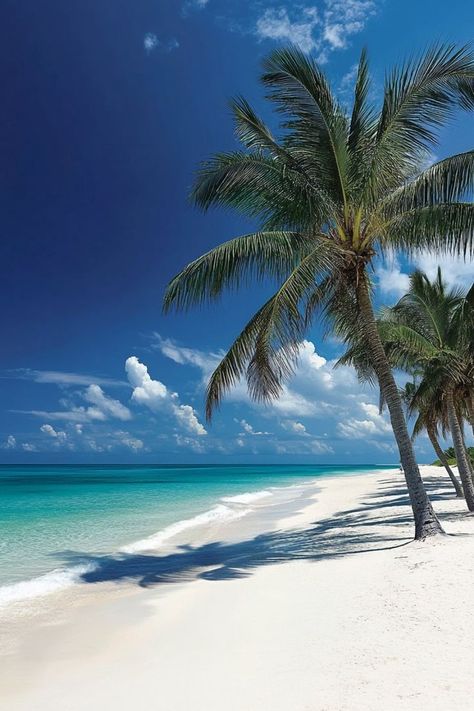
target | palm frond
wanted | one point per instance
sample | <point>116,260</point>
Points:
<point>282,326</point>
<point>447,181</point>
<point>253,256</point>
<point>318,125</point>
<point>446,227</point>
<point>419,97</point>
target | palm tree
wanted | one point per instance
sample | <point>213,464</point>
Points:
<point>427,328</point>
<point>428,418</point>
<point>329,192</point>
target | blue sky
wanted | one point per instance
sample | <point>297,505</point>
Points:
<point>107,109</point>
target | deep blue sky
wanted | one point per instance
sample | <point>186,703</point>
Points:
<point>108,106</point>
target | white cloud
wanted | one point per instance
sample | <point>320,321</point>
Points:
<point>295,427</point>
<point>275,24</point>
<point>129,441</point>
<point>344,18</point>
<point>391,279</point>
<point>156,396</point>
<point>179,354</point>
<point>318,447</point>
<point>348,80</point>
<point>102,408</point>
<point>28,447</point>
<point>151,43</point>
<point>10,443</point>
<point>249,429</point>
<point>190,443</point>
<point>186,415</point>
<point>59,435</point>
<point>304,396</point>
<point>374,424</point>
<point>104,405</point>
<point>456,270</point>
<point>325,29</point>
<point>146,391</point>
<point>57,377</point>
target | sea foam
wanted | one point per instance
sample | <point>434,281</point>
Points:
<point>54,581</point>
<point>218,513</point>
<point>247,498</point>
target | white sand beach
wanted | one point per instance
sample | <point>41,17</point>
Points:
<point>330,608</point>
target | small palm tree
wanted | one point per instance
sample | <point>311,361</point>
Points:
<point>428,328</point>
<point>330,192</point>
<point>428,418</point>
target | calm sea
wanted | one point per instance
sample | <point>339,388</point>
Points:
<point>50,514</point>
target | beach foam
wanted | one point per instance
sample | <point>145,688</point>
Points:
<point>218,513</point>
<point>247,498</point>
<point>54,581</point>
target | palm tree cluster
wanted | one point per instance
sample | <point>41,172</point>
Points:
<point>330,190</point>
<point>431,331</point>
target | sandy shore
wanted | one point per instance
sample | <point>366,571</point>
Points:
<point>330,608</point>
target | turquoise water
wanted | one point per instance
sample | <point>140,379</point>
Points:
<point>48,513</point>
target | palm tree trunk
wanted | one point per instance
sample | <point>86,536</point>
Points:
<point>426,521</point>
<point>461,458</point>
<point>442,458</point>
<point>470,409</point>
<point>469,462</point>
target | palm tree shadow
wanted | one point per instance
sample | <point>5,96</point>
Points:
<point>368,528</point>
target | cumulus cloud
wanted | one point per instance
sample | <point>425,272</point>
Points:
<point>58,435</point>
<point>332,400</point>
<point>10,443</point>
<point>186,416</point>
<point>294,426</point>
<point>29,447</point>
<point>391,279</point>
<point>154,395</point>
<point>374,424</point>
<point>146,391</point>
<point>104,406</point>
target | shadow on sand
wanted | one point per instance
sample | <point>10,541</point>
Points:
<point>354,531</point>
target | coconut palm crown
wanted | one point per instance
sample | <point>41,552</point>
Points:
<point>329,192</point>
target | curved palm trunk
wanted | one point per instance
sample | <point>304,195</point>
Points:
<point>426,521</point>
<point>442,458</point>
<point>461,457</point>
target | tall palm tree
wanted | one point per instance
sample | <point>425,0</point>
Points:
<point>329,192</point>
<point>427,328</point>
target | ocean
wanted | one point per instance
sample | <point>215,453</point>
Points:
<point>50,515</point>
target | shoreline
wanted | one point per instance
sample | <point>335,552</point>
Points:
<point>323,607</point>
<point>223,509</point>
